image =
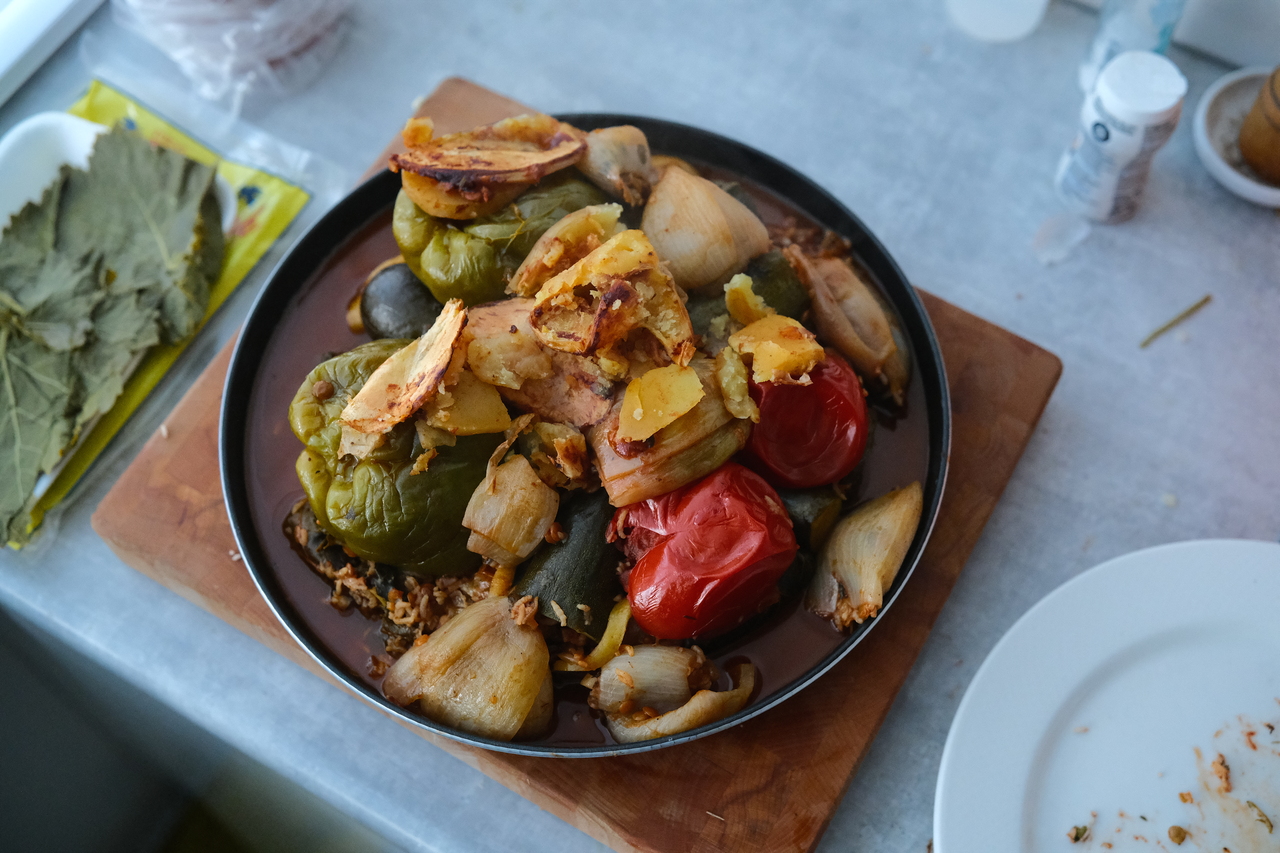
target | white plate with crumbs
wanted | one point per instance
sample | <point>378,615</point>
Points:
<point>1136,707</point>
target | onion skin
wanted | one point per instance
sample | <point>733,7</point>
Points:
<point>538,722</point>
<point>481,672</point>
<point>704,708</point>
<point>703,234</point>
<point>618,161</point>
<point>658,677</point>
<point>691,447</point>
<point>411,377</point>
<point>851,317</point>
<point>863,555</point>
<point>511,509</point>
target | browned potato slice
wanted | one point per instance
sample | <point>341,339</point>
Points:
<point>411,377</point>
<point>442,200</point>
<point>468,407</point>
<point>781,349</point>
<point>743,303</point>
<point>465,175</point>
<point>620,287</point>
<point>656,399</point>
<point>570,240</point>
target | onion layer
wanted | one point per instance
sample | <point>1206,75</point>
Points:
<point>510,512</point>
<point>702,233</point>
<point>481,672</point>
<point>657,677</point>
<point>704,708</point>
<point>863,555</point>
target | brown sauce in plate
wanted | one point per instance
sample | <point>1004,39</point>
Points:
<point>789,641</point>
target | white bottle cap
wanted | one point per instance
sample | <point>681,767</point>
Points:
<point>1141,87</point>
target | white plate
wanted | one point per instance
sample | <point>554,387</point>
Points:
<point>1089,711</point>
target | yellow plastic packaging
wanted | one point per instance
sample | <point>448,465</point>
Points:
<point>265,207</point>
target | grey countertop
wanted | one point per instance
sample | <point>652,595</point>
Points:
<point>945,147</point>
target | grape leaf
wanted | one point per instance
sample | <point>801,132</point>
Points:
<point>146,210</point>
<point>36,388</point>
<point>110,262</point>
<point>122,331</point>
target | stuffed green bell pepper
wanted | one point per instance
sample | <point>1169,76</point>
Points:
<point>377,507</point>
<point>472,259</point>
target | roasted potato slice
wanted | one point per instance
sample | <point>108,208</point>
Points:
<point>781,349</point>
<point>411,377</point>
<point>564,244</point>
<point>465,175</point>
<point>620,287</point>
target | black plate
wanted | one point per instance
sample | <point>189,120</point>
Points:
<point>288,287</point>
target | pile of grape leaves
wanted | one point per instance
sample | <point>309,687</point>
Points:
<point>111,261</point>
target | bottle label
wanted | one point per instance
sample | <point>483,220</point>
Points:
<point>1105,170</point>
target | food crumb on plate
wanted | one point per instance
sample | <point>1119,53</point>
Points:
<point>1222,772</point>
<point>1262,816</point>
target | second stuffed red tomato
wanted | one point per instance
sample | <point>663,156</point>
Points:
<point>810,435</point>
<point>706,556</point>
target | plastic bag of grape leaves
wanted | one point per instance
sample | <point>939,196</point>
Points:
<point>107,277</point>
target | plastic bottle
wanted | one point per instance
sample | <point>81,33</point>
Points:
<point>1132,111</point>
<point>1129,25</point>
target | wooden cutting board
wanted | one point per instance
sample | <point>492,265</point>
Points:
<point>769,784</point>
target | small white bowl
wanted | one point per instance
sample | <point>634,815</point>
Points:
<point>1217,130</point>
<point>34,149</point>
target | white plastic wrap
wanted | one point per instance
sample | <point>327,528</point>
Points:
<point>231,48</point>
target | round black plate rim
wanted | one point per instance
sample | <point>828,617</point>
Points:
<point>372,198</point>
